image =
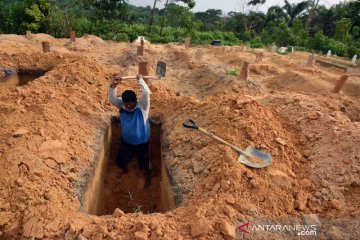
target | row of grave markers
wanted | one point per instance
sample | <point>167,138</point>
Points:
<point>46,45</point>
<point>244,72</point>
<point>140,49</point>
<point>341,82</point>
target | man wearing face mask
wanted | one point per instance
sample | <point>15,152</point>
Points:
<point>135,128</point>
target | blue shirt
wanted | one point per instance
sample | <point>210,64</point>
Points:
<point>134,130</point>
<point>134,124</point>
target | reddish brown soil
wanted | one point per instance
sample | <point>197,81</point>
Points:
<point>52,129</point>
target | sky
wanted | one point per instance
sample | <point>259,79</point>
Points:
<point>229,5</point>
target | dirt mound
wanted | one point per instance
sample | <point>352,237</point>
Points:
<point>41,37</point>
<point>94,40</point>
<point>264,70</point>
<point>297,81</point>
<point>13,37</point>
<point>54,129</point>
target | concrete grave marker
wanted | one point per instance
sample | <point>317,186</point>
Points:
<point>144,69</point>
<point>46,47</point>
<point>140,50</point>
<point>72,36</point>
<point>328,53</point>
<point>353,61</point>
<point>282,49</point>
<point>187,42</point>
<point>244,72</point>
<point>340,83</point>
<point>310,60</point>
<point>28,34</point>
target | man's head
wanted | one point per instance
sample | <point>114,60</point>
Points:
<point>129,99</point>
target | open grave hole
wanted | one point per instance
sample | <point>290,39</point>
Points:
<point>21,77</point>
<point>108,188</point>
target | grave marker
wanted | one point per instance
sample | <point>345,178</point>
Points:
<point>140,50</point>
<point>187,42</point>
<point>142,42</point>
<point>328,53</point>
<point>144,69</point>
<point>353,61</point>
<point>72,36</point>
<point>28,34</point>
<point>244,72</point>
<point>46,47</point>
<point>340,83</point>
<point>310,60</point>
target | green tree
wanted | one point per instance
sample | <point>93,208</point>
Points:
<point>299,33</point>
<point>275,14</point>
<point>190,3</point>
<point>282,34</point>
<point>211,19</point>
<point>293,10</point>
<point>36,13</point>
<point>256,2</point>
<point>342,30</point>
<point>12,16</point>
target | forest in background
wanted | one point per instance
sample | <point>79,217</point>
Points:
<point>307,25</point>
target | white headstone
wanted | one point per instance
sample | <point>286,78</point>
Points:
<point>354,59</point>
<point>282,49</point>
<point>138,40</point>
<point>328,53</point>
<point>292,49</point>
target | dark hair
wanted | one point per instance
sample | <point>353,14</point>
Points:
<point>128,96</point>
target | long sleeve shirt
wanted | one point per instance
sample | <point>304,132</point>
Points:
<point>134,124</point>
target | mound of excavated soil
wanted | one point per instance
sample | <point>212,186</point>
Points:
<point>54,128</point>
<point>298,82</point>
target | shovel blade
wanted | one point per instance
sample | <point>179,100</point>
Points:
<point>262,159</point>
<point>160,69</point>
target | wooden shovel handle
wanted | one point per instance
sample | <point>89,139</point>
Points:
<point>144,77</point>
<point>222,141</point>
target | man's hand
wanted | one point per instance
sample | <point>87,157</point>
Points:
<point>116,80</point>
<point>139,76</point>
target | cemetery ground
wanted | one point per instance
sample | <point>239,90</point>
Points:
<point>59,134</point>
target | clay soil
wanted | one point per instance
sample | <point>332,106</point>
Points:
<point>52,129</point>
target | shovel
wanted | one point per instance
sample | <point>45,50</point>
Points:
<point>160,72</point>
<point>251,156</point>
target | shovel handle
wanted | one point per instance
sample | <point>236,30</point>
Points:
<point>144,77</point>
<point>191,125</point>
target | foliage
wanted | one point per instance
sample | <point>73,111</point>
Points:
<point>210,20</point>
<point>256,43</point>
<point>233,72</point>
<point>342,30</point>
<point>293,10</point>
<point>336,28</point>
<point>300,35</point>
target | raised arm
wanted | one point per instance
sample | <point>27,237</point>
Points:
<point>144,101</point>
<point>113,98</point>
